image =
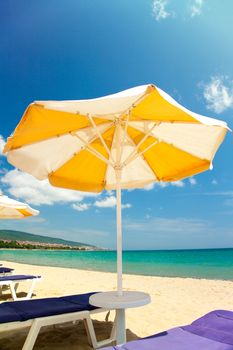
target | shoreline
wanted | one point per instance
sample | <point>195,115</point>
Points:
<point>174,301</point>
<point>110,272</point>
<point>127,250</point>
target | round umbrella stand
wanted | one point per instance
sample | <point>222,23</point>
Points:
<point>111,300</point>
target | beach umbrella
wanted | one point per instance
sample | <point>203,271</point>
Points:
<point>126,140</point>
<point>12,209</point>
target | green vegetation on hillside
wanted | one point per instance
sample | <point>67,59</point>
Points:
<point>11,235</point>
<point>17,245</point>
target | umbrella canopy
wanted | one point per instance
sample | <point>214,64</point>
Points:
<point>12,209</point>
<point>125,140</point>
<point>143,131</point>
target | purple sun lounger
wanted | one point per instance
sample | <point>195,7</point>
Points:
<point>5,270</point>
<point>213,331</point>
<point>37,313</point>
<point>13,281</point>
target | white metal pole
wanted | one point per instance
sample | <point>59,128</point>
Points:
<point>118,206</point>
<point>119,233</point>
<point>120,313</point>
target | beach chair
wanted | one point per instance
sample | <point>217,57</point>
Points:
<point>213,331</point>
<point>5,271</point>
<point>37,313</point>
<point>13,281</point>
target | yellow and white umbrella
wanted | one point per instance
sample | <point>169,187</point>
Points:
<point>12,209</point>
<point>125,140</point>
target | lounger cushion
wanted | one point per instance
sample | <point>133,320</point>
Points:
<point>8,313</point>
<point>174,339</point>
<point>81,299</point>
<point>17,278</point>
<point>190,337</point>
<point>29,309</point>
<point>217,325</point>
<point>5,270</point>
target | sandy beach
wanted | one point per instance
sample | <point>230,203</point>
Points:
<point>175,301</point>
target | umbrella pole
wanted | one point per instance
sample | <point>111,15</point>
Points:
<point>119,233</point>
<point>120,313</point>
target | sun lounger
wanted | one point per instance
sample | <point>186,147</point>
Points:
<point>37,313</point>
<point>5,270</point>
<point>214,331</point>
<point>13,282</point>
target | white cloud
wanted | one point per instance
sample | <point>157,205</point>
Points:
<point>192,181</point>
<point>229,202</point>
<point>227,195</point>
<point>220,193</point>
<point>149,187</point>
<point>147,216</point>
<point>159,9</point>
<point>162,184</point>
<point>2,144</point>
<point>178,183</point>
<point>26,187</point>
<point>168,225</point>
<point>81,206</point>
<point>126,206</point>
<point>218,94</point>
<point>214,182</point>
<point>36,219</point>
<point>196,8</point>
<point>110,202</point>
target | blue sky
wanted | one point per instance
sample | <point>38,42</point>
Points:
<point>55,49</point>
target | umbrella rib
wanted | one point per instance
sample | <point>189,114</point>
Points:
<point>121,113</point>
<point>142,156</point>
<point>92,149</point>
<point>161,139</point>
<point>135,151</point>
<point>138,154</point>
<point>166,121</point>
<point>100,136</point>
<point>125,132</point>
<point>128,111</point>
<point>135,154</point>
<point>111,116</point>
<point>70,132</point>
<point>149,147</point>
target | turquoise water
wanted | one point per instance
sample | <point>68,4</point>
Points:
<point>206,263</point>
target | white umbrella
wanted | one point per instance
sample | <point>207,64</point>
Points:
<point>12,209</point>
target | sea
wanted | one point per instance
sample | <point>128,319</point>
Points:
<point>203,263</point>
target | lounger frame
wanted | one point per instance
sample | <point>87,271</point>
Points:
<point>13,285</point>
<point>37,323</point>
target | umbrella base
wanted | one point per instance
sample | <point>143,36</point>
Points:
<point>111,301</point>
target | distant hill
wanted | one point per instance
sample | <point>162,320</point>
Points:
<point>25,236</point>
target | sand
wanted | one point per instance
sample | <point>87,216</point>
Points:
<point>174,301</point>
